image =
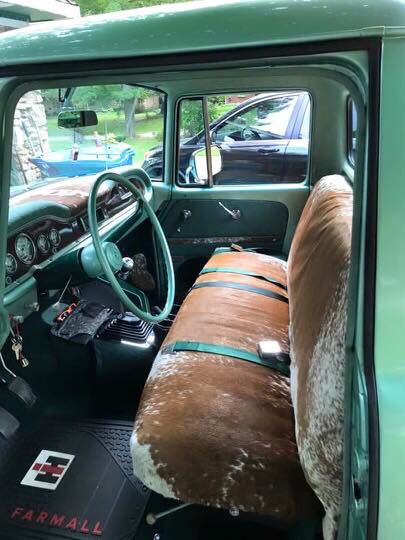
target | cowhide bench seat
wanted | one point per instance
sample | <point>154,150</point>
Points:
<point>217,430</point>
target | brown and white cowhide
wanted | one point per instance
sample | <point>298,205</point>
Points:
<point>318,273</point>
<point>219,431</point>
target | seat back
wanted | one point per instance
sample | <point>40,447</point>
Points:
<point>318,269</point>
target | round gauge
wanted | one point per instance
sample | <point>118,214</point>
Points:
<point>11,264</point>
<point>24,248</point>
<point>43,243</point>
<point>54,237</point>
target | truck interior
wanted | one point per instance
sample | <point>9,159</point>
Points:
<point>183,355</point>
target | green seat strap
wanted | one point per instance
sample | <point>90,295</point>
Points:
<point>277,363</point>
<point>212,269</point>
<point>241,287</point>
<point>230,249</point>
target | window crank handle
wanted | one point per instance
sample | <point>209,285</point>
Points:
<point>184,216</point>
<point>235,214</point>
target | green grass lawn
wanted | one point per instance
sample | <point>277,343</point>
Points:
<point>112,123</point>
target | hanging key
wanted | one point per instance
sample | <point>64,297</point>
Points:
<point>16,346</point>
<point>22,360</point>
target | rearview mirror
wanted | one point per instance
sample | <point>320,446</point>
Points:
<point>198,164</point>
<point>77,119</point>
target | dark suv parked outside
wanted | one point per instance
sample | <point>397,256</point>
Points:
<point>264,139</point>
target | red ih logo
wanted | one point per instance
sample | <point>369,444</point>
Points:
<point>48,470</point>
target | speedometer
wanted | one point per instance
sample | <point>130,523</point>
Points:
<point>24,248</point>
<point>11,264</point>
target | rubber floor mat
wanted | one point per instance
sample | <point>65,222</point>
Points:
<point>70,480</point>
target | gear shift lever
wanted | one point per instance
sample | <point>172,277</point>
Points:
<point>127,267</point>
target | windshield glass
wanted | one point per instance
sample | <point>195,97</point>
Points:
<point>129,125</point>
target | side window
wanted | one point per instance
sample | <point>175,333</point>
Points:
<point>352,126</point>
<point>253,133</point>
<point>265,121</point>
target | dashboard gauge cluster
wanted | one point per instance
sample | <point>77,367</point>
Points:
<point>37,244</point>
<point>38,241</point>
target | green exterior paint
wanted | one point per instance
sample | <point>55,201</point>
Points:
<point>390,292</point>
<point>221,25</point>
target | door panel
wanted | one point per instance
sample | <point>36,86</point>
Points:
<point>197,227</point>
<point>268,218</point>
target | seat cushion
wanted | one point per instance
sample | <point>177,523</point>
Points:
<point>250,262</point>
<point>219,431</point>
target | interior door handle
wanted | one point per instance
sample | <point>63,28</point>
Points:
<point>235,214</point>
<point>266,151</point>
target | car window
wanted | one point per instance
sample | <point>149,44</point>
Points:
<point>266,120</point>
<point>352,125</point>
<point>130,124</point>
<point>255,135</point>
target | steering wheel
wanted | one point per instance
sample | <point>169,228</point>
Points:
<point>249,134</point>
<point>102,256</point>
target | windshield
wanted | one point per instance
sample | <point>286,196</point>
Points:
<point>129,124</point>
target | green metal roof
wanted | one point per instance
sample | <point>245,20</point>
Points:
<point>201,26</point>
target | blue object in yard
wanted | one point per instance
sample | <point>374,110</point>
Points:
<point>89,160</point>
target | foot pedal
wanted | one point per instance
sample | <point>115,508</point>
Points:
<point>16,385</point>
<point>8,424</point>
<point>23,391</point>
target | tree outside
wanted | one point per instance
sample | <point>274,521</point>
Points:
<point>92,7</point>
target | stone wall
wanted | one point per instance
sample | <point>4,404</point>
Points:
<point>30,137</point>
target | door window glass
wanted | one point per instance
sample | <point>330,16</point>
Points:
<point>262,138</point>
<point>263,121</point>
